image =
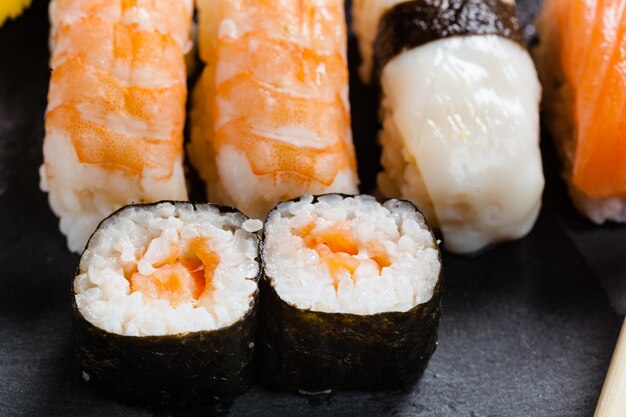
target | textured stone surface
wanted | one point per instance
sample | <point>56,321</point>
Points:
<point>526,329</point>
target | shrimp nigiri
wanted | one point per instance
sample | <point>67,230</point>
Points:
<point>116,108</point>
<point>271,117</point>
<point>581,60</point>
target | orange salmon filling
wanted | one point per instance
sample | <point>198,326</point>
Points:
<point>180,279</point>
<point>338,248</point>
<point>593,56</point>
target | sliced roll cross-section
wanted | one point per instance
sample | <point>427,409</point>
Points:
<point>165,303</point>
<point>351,294</point>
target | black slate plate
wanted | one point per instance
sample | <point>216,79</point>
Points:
<point>527,330</point>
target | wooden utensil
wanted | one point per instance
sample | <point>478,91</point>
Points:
<point>612,402</point>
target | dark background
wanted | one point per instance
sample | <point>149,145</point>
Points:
<point>527,329</point>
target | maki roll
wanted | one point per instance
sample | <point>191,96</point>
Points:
<point>116,108</point>
<point>581,61</point>
<point>271,118</point>
<point>460,115</point>
<point>351,294</point>
<point>165,303</point>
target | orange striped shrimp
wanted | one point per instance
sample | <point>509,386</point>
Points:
<point>271,118</point>
<point>116,108</point>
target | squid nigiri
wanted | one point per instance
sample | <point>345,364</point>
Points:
<point>270,117</point>
<point>460,114</point>
<point>116,108</point>
<point>581,59</point>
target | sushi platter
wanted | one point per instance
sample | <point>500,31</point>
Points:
<point>242,217</point>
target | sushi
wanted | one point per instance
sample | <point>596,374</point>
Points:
<point>164,303</point>
<point>460,115</point>
<point>580,59</point>
<point>270,118</point>
<point>350,294</point>
<point>116,108</point>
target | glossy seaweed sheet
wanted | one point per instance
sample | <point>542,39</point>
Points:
<point>527,328</point>
<point>314,352</point>
<point>413,23</point>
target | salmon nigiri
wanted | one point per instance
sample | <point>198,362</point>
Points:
<point>582,64</point>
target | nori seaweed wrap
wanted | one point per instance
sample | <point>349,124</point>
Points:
<point>350,294</point>
<point>164,304</point>
<point>414,23</point>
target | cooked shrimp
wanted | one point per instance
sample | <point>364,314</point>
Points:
<point>271,117</point>
<point>116,108</point>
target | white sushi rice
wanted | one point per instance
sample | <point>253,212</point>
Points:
<point>301,277</point>
<point>557,105</point>
<point>138,238</point>
<point>81,195</point>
